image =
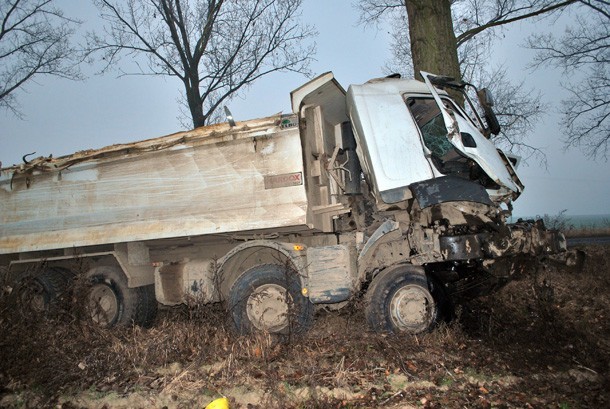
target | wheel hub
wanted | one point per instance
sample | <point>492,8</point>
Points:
<point>32,296</point>
<point>103,304</point>
<point>411,308</point>
<point>267,308</point>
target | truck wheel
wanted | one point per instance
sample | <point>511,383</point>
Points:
<point>37,294</point>
<point>268,298</point>
<point>402,300</point>
<point>110,302</point>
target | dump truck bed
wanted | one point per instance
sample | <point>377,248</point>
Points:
<point>214,179</point>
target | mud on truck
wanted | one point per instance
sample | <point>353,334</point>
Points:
<point>390,192</point>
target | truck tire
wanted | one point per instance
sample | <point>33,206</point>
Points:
<point>110,302</point>
<point>38,293</point>
<point>403,300</point>
<point>268,298</point>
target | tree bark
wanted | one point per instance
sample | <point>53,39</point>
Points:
<point>193,99</point>
<point>433,42</point>
<point>193,96</point>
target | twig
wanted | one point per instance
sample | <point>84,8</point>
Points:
<point>399,393</point>
<point>448,371</point>
<point>581,366</point>
<point>176,379</point>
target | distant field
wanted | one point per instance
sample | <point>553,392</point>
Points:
<point>588,221</point>
<point>587,232</point>
<point>575,225</point>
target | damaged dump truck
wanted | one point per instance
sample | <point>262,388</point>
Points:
<point>390,191</point>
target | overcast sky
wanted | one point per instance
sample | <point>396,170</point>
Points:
<point>61,117</point>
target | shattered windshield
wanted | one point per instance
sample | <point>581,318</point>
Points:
<point>429,119</point>
<point>444,155</point>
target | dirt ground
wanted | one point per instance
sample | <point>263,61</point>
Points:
<point>540,342</point>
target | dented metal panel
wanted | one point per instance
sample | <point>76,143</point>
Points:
<point>209,180</point>
<point>389,147</point>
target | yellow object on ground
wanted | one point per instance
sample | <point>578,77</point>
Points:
<point>220,403</point>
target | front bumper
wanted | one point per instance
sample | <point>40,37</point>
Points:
<point>523,238</point>
<point>527,238</point>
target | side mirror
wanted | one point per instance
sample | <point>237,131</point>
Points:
<point>485,97</point>
<point>229,116</point>
<point>487,102</point>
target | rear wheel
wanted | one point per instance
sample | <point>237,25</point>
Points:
<point>39,293</point>
<point>111,302</point>
<point>268,298</point>
<point>403,300</point>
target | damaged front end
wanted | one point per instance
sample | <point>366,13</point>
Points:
<point>464,206</point>
<point>526,238</point>
<point>435,160</point>
<point>465,242</point>
<point>483,254</point>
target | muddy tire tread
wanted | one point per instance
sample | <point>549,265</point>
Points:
<point>379,293</point>
<point>301,320</point>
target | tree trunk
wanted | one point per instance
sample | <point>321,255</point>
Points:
<point>193,99</point>
<point>197,114</point>
<point>433,43</point>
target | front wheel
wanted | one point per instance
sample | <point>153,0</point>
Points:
<point>268,298</point>
<point>111,302</point>
<point>403,300</point>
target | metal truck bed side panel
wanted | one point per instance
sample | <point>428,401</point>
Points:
<point>219,182</point>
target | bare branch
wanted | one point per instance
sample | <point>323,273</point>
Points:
<point>586,114</point>
<point>583,53</point>
<point>215,47</point>
<point>518,110</point>
<point>372,11</point>
<point>34,41</point>
<point>504,15</point>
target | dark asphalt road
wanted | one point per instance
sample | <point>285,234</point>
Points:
<point>577,241</point>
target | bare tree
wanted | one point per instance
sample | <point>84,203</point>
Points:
<point>469,19</point>
<point>34,41</point>
<point>216,48</point>
<point>583,52</point>
<point>475,25</point>
<point>517,107</point>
